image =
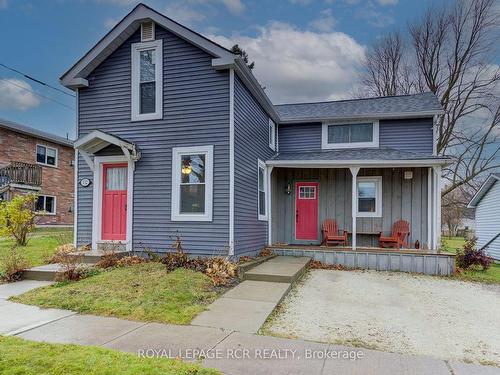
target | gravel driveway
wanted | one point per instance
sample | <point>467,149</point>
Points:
<point>395,312</point>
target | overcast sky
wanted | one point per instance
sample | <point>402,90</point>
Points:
<point>304,50</point>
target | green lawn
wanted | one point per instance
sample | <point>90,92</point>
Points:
<point>41,245</point>
<point>491,275</point>
<point>145,292</point>
<point>18,356</point>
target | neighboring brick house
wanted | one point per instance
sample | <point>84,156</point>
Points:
<point>35,161</point>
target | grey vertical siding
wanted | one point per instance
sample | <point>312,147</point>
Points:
<point>401,199</point>
<point>300,137</point>
<point>195,113</point>
<point>251,142</point>
<point>488,221</point>
<point>414,135</point>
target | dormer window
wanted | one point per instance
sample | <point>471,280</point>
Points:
<point>350,135</point>
<point>147,81</point>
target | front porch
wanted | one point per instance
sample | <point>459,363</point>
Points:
<point>390,193</point>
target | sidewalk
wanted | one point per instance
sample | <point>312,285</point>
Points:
<point>230,351</point>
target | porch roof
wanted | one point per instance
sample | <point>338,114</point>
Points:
<point>383,156</point>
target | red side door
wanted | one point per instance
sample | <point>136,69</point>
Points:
<point>114,201</point>
<point>306,215</point>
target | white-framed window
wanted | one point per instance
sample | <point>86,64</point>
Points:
<point>357,134</point>
<point>46,155</point>
<point>192,183</point>
<point>307,192</point>
<point>369,193</point>
<point>272,135</point>
<point>46,204</point>
<point>147,80</point>
<point>262,190</point>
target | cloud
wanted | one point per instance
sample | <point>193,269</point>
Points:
<point>301,2</point>
<point>3,4</point>
<point>15,95</point>
<point>234,6</point>
<point>120,2</point>
<point>325,22</point>
<point>297,65</point>
<point>183,13</point>
<point>375,17</point>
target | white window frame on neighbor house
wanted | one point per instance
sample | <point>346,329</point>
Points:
<point>44,212</point>
<point>177,153</point>
<point>262,165</point>
<point>378,196</point>
<point>333,146</point>
<point>137,48</point>
<point>47,148</point>
<point>272,135</point>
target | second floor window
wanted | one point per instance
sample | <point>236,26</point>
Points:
<point>46,155</point>
<point>147,87</point>
<point>350,135</point>
<point>272,135</point>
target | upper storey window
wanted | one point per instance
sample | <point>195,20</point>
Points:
<point>147,79</point>
<point>350,135</point>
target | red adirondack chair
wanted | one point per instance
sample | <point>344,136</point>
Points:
<point>331,234</point>
<point>398,237</point>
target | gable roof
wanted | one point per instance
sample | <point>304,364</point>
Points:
<point>423,104</point>
<point>485,187</point>
<point>23,129</point>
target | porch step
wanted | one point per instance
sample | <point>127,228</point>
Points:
<point>280,269</point>
<point>92,257</point>
<point>47,272</point>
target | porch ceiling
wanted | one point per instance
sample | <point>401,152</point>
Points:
<point>382,157</point>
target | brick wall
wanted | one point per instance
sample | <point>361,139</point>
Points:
<point>56,181</point>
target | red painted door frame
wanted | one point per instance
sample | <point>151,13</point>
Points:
<point>114,208</point>
<point>306,210</point>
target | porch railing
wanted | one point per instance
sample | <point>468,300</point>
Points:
<point>21,173</point>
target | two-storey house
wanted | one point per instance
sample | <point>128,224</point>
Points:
<point>175,135</point>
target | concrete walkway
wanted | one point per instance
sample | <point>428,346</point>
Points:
<point>232,352</point>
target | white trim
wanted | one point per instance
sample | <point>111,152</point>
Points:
<point>354,204</point>
<point>177,152</point>
<point>438,205</point>
<point>56,165</point>
<point>334,146</point>
<point>44,212</point>
<point>378,197</point>
<point>270,205</point>
<point>136,48</point>
<point>231,161</point>
<point>429,208</point>
<point>97,199</point>
<point>262,165</point>
<point>272,134</point>
<point>345,163</point>
<point>75,201</point>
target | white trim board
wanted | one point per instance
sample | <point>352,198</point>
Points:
<point>97,199</point>
<point>231,162</point>
<point>262,165</point>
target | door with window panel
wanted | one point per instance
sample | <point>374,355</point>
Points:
<point>114,201</point>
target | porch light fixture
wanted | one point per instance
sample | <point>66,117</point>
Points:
<point>408,175</point>
<point>288,189</point>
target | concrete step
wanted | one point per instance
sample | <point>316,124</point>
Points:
<point>92,257</point>
<point>47,272</point>
<point>281,269</point>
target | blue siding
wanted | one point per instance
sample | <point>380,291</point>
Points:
<point>251,142</point>
<point>414,135</point>
<point>488,221</point>
<point>195,113</point>
<point>300,137</point>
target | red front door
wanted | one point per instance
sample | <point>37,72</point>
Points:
<point>306,215</point>
<point>114,201</point>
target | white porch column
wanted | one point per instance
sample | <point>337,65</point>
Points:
<point>437,205</point>
<point>354,173</point>
<point>269,206</point>
<point>430,198</point>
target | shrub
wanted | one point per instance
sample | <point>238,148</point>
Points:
<point>17,218</point>
<point>61,253</point>
<point>14,264</point>
<point>470,256</point>
<point>130,261</point>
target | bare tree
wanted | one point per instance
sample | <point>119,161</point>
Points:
<point>454,209</point>
<point>453,50</point>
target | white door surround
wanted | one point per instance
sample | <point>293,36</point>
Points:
<point>97,199</point>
